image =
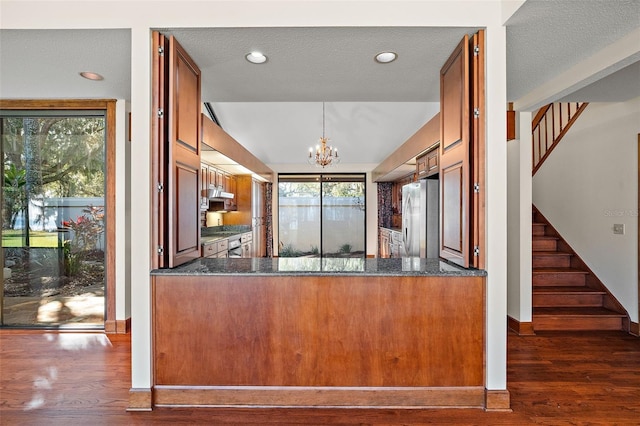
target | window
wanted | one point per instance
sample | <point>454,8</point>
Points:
<point>321,215</point>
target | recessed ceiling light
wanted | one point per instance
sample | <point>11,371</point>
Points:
<point>386,57</point>
<point>91,75</point>
<point>256,58</point>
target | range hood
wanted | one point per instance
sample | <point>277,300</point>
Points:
<point>217,194</point>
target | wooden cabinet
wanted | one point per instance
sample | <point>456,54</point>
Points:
<point>229,185</point>
<point>204,179</point>
<point>432,162</point>
<point>176,81</point>
<point>427,164</point>
<point>384,245</point>
<point>421,166</point>
<point>390,243</point>
<point>246,241</point>
<point>250,211</point>
<point>219,248</point>
<point>219,177</point>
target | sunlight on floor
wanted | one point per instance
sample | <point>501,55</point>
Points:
<point>78,341</point>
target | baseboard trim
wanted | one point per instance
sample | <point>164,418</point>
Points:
<point>117,326</point>
<point>634,328</point>
<point>140,399</point>
<point>498,400</point>
<point>343,397</point>
<point>521,328</point>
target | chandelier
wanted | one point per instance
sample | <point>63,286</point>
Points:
<point>324,155</point>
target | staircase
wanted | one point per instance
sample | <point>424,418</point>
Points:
<point>566,294</point>
<point>549,126</point>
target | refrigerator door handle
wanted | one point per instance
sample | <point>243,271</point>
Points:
<point>407,210</point>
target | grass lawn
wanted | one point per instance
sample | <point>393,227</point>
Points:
<point>13,238</point>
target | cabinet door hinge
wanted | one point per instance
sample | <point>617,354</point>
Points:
<point>160,187</point>
<point>161,50</point>
<point>160,113</point>
<point>476,50</point>
<point>476,188</point>
<point>476,112</point>
<point>160,250</point>
<point>476,251</point>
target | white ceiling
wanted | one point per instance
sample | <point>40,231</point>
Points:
<point>275,109</point>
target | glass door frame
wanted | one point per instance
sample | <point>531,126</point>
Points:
<point>109,108</point>
<point>321,179</point>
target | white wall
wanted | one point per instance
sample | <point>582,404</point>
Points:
<point>123,212</point>
<point>519,222</point>
<point>588,183</point>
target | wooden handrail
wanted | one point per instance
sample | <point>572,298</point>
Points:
<point>549,125</point>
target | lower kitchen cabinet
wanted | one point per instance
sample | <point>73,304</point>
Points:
<point>218,248</point>
<point>246,241</point>
<point>390,243</point>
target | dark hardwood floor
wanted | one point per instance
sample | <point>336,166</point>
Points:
<point>555,378</point>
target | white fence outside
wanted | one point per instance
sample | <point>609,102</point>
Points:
<point>342,224</point>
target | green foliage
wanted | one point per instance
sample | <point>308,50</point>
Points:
<point>72,260</point>
<point>343,189</point>
<point>87,228</point>
<point>329,189</point>
<point>13,238</point>
<point>14,192</point>
<point>289,251</point>
<point>345,248</point>
<point>62,155</point>
<point>51,157</point>
<point>315,250</point>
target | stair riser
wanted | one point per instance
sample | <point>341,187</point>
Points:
<point>566,300</point>
<point>538,229</point>
<point>551,261</point>
<point>544,245</point>
<point>576,323</point>
<point>559,279</point>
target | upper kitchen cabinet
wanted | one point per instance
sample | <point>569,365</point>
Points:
<point>176,154</point>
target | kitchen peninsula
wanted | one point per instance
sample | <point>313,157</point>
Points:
<point>318,332</point>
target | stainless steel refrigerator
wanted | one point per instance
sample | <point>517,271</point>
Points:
<point>420,218</point>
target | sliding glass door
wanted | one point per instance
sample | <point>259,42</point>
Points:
<point>322,215</point>
<point>53,217</point>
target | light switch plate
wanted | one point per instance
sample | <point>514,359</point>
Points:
<point>618,228</point>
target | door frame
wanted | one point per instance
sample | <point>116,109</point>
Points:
<point>321,176</point>
<point>109,107</point>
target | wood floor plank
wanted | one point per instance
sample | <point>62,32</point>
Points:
<point>555,378</point>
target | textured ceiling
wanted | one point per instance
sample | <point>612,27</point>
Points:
<point>547,37</point>
<point>320,64</point>
<point>46,63</point>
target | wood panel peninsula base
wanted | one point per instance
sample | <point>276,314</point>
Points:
<point>325,333</point>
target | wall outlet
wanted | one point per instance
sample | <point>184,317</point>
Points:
<point>618,228</point>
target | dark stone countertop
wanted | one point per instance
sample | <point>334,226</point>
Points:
<point>215,233</point>
<point>408,266</point>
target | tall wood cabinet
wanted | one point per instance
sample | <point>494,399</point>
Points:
<point>250,211</point>
<point>176,154</point>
